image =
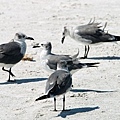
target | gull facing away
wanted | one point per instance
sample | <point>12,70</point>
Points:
<point>49,60</point>
<point>58,83</point>
<point>89,34</point>
<point>12,52</point>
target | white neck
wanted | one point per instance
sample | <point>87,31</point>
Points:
<point>64,68</point>
<point>71,33</point>
<point>22,45</point>
<point>44,53</point>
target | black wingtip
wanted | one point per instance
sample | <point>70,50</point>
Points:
<point>37,99</point>
<point>92,64</point>
<point>42,97</point>
<point>117,38</point>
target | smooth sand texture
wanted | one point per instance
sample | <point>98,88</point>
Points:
<point>96,91</point>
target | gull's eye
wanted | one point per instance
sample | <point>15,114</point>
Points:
<point>42,44</point>
<point>23,36</point>
<point>19,36</point>
<point>47,46</point>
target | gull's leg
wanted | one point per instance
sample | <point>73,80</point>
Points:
<point>9,77</point>
<point>55,104</point>
<point>87,51</point>
<point>10,73</point>
<point>85,54</point>
<point>63,102</point>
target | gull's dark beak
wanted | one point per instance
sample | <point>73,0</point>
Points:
<point>63,38</point>
<point>29,38</point>
<point>36,45</point>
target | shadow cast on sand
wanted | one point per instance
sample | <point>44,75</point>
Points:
<point>87,90</point>
<point>21,81</point>
<point>73,111</point>
<point>105,58</point>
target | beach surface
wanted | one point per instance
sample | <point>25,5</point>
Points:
<point>96,91</point>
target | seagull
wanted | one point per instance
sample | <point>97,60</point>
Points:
<point>49,60</point>
<point>58,83</point>
<point>12,52</point>
<point>89,34</point>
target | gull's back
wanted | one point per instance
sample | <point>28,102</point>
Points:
<point>59,83</point>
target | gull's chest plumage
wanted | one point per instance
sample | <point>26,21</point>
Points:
<point>23,46</point>
<point>44,60</point>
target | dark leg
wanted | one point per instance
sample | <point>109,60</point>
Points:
<point>55,104</point>
<point>10,73</point>
<point>9,78</point>
<point>87,51</point>
<point>63,102</point>
<point>85,54</point>
<point>87,48</point>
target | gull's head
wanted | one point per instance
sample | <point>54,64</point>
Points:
<point>22,37</point>
<point>46,45</point>
<point>65,33</point>
<point>62,64</point>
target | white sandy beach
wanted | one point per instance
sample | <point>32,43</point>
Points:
<point>96,91</point>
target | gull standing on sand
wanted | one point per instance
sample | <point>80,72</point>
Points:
<point>58,83</point>
<point>89,34</point>
<point>12,52</point>
<point>49,60</point>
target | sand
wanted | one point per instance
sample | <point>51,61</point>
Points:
<point>96,91</point>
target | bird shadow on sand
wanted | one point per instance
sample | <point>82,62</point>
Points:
<point>105,58</point>
<point>88,90</point>
<point>73,111</point>
<point>21,81</point>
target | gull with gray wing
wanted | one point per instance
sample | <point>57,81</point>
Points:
<point>49,60</point>
<point>12,52</point>
<point>58,83</point>
<point>89,34</point>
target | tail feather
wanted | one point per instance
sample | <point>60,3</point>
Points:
<point>92,64</point>
<point>76,66</point>
<point>117,38</point>
<point>42,97</point>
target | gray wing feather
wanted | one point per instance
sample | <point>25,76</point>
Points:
<point>91,33</point>
<point>87,29</point>
<point>58,82</point>
<point>54,59</point>
<point>10,48</point>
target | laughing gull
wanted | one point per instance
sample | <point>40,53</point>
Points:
<point>49,60</point>
<point>89,34</point>
<point>12,52</point>
<point>57,84</point>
